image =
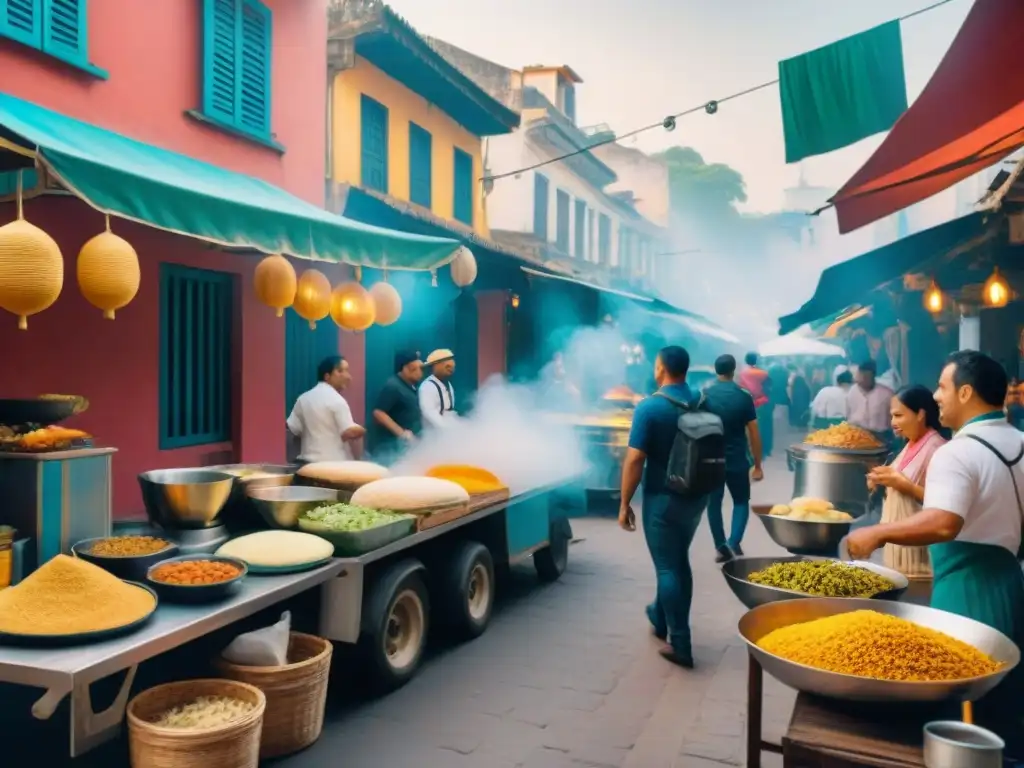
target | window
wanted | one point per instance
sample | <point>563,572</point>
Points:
<point>373,118</point>
<point>604,239</point>
<point>580,230</point>
<point>236,65</point>
<point>420,176</point>
<point>569,101</point>
<point>591,234</point>
<point>196,308</point>
<point>540,206</point>
<point>562,220</point>
<point>462,208</point>
<point>56,27</point>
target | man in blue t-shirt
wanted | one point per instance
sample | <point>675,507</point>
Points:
<point>669,520</point>
<point>735,407</point>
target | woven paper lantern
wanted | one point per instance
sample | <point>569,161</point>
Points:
<point>275,283</point>
<point>31,268</point>
<point>464,267</point>
<point>352,307</point>
<point>387,301</point>
<point>312,296</point>
<point>108,272</point>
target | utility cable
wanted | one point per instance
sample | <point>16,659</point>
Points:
<point>669,122</point>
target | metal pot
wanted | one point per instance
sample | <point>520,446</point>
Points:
<point>838,475</point>
<point>951,744</point>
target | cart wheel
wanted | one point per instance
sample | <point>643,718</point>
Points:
<point>398,612</point>
<point>468,590</point>
<point>551,561</point>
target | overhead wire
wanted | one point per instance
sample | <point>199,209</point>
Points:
<point>669,121</point>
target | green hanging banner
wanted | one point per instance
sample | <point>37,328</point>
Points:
<point>844,92</point>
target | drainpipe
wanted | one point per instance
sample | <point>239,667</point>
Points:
<point>332,76</point>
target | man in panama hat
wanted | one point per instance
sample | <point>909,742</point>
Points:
<point>437,395</point>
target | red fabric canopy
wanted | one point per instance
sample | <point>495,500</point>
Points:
<point>969,116</point>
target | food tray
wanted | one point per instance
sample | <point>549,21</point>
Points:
<point>354,543</point>
<point>279,570</point>
<point>64,445</point>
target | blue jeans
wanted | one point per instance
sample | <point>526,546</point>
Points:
<point>669,524</point>
<point>738,484</point>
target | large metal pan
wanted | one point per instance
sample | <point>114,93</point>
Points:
<point>802,537</point>
<point>766,618</point>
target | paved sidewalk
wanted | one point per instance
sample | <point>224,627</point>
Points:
<point>567,676</point>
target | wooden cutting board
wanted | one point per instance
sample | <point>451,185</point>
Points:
<point>431,518</point>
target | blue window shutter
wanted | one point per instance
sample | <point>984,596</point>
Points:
<point>562,220</point>
<point>22,20</point>
<point>374,144</point>
<point>604,239</point>
<point>591,234</point>
<point>420,166</point>
<point>220,59</point>
<point>253,55</point>
<point>462,210</point>
<point>569,102</point>
<point>580,230</point>
<point>64,28</point>
<point>540,206</point>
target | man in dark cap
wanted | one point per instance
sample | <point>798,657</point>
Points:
<point>397,419</point>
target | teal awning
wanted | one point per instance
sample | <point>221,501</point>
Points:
<point>132,180</point>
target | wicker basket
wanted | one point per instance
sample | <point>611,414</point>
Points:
<point>233,745</point>
<point>296,694</point>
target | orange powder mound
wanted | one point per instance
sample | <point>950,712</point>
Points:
<point>472,479</point>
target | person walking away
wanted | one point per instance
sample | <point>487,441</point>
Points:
<point>735,406</point>
<point>436,393</point>
<point>799,393</point>
<point>830,405</point>
<point>397,420</point>
<point>915,418</point>
<point>759,384</point>
<point>868,403</point>
<point>670,519</point>
<point>971,520</point>
<point>322,420</point>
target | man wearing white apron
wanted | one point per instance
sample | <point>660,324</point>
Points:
<point>436,393</point>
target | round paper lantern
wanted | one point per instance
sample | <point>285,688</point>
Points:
<point>275,283</point>
<point>108,272</point>
<point>352,307</point>
<point>464,267</point>
<point>387,301</point>
<point>312,296</point>
<point>31,269</point>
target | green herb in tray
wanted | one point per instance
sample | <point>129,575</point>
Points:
<point>351,518</point>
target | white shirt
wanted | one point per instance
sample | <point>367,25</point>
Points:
<point>869,410</point>
<point>835,374</point>
<point>319,418</point>
<point>830,403</point>
<point>437,408</point>
<point>967,479</point>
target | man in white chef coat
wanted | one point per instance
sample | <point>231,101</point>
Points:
<point>322,419</point>
<point>436,393</point>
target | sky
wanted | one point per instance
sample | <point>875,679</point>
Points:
<point>643,59</point>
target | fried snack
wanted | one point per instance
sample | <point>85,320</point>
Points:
<point>50,437</point>
<point>843,436</point>
<point>780,510</point>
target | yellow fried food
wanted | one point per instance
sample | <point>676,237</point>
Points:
<point>843,436</point>
<point>811,503</point>
<point>780,510</point>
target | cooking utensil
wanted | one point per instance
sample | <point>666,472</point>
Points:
<point>738,570</point>
<point>949,744</point>
<point>16,412</point>
<point>759,621</point>
<point>131,567</point>
<point>197,593</point>
<point>838,475</point>
<point>281,506</point>
<point>185,498</point>
<point>802,537</point>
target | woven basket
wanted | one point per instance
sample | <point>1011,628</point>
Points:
<point>296,694</point>
<point>233,745</point>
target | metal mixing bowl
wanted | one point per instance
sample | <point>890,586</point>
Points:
<point>280,507</point>
<point>800,536</point>
<point>185,498</point>
<point>759,621</point>
<point>752,595</point>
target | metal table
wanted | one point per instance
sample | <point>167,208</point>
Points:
<point>71,671</point>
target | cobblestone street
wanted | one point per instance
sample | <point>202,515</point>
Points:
<point>567,675</point>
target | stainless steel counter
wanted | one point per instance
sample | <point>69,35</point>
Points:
<point>64,671</point>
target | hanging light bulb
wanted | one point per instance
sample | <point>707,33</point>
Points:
<point>996,291</point>
<point>933,298</point>
<point>515,301</point>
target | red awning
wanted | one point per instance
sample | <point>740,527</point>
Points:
<point>969,116</point>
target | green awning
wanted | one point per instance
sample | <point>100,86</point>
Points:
<point>132,180</point>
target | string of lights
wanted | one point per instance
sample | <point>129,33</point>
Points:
<point>669,122</point>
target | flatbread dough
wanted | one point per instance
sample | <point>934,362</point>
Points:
<point>351,474</point>
<point>275,549</point>
<point>405,494</point>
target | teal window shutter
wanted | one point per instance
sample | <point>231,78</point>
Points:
<point>462,209</point>
<point>64,29</point>
<point>540,206</point>
<point>569,102</point>
<point>196,320</point>
<point>562,220</point>
<point>580,230</point>
<point>22,20</point>
<point>420,171</point>
<point>254,46</point>
<point>220,60</point>
<point>374,144</point>
<point>591,235</point>
<point>604,239</point>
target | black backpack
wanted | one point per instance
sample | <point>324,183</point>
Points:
<point>696,463</point>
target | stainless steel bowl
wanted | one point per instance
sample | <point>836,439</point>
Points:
<point>737,571</point>
<point>185,498</point>
<point>800,536</point>
<point>952,744</point>
<point>759,621</point>
<point>280,507</point>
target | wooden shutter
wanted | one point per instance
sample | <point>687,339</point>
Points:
<point>253,56</point>
<point>220,59</point>
<point>64,29</point>
<point>420,166</point>
<point>562,220</point>
<point>22,20</point>
<point>462,208</point>
<point>580,230</point>
<point>374,146</point>
<point>540,206</point>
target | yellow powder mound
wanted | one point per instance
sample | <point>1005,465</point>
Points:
<point>872,644</point>
<point>472,479</point>
<point>69,596</point>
